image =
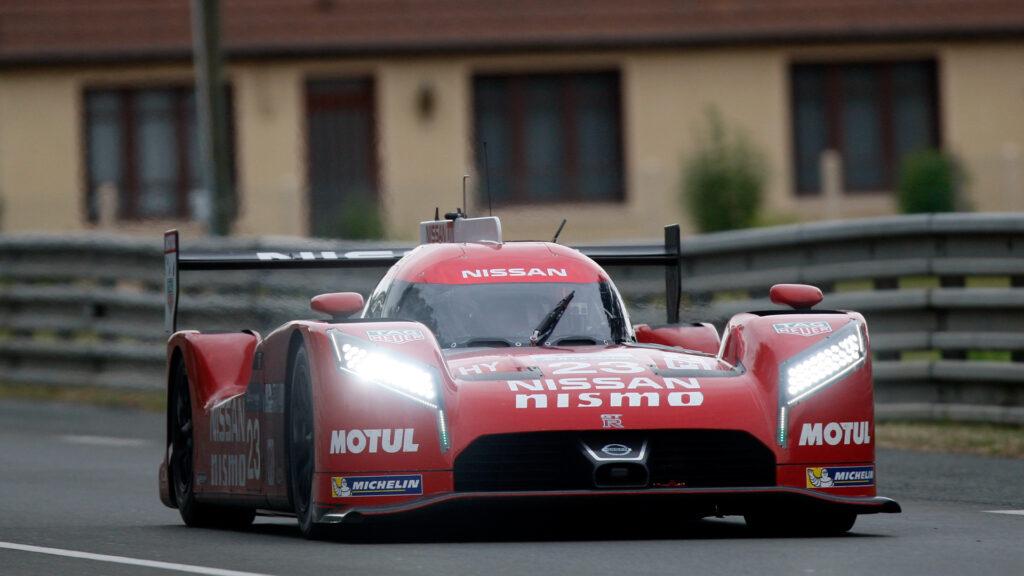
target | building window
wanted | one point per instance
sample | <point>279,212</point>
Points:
<point>143,146</point>
<point>873,114</point>
<point>342,158</point>
<point>550,137</point>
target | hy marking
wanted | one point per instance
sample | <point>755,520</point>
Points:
<point>1010,512</point>
<point>188,568</point>
<point>103,441</point>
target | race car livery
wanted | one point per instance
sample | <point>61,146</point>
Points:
<point>487,371</point>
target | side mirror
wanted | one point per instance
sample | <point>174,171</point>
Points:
<point>798,296</point>
<point>701,337</point>
<point>337,304</point>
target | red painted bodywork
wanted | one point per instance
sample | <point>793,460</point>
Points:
<point>239,397</point>
<point>496,263</point>
<point>701,337</point>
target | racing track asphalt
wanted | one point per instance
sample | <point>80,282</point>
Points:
<point>83,479</point>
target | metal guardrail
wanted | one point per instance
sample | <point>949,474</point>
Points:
<point>943,294</point>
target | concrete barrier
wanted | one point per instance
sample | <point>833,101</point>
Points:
<point>943,294</point>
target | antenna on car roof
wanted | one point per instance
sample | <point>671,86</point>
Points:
<point>487,177</point>
<point>559,231</point>
<point>437,213</point>
<point>465,207</point>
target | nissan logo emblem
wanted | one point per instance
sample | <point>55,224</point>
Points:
<point>616,450</point>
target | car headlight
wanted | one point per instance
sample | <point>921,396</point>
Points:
<point>827,362</point>
<point>382,368</point>
<point>819,366</point>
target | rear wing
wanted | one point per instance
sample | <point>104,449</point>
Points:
<point>669,257</point>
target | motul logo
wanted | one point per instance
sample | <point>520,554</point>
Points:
<point>514,273</point>
<point>835,433</point>
<point>390,440</point>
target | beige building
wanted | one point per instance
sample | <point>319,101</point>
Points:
<point>340,106</point>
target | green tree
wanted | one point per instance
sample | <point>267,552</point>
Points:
<point>723,181</point>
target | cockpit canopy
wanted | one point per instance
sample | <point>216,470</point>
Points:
<point>507,314</point>
<point>493,293</point>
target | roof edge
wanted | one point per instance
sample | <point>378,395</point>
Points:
<point>455,47</point>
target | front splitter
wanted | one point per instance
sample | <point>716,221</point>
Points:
<point>699,501</point>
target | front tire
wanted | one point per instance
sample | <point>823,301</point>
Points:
<point>302,445</point>
<point>182,473</point>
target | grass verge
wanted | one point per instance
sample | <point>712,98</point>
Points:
<point>149,400</point>
<point>965,438</point>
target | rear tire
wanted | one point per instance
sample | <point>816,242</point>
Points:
<point>816,524</point>
<point>302,446</point>
<point>182,473</point>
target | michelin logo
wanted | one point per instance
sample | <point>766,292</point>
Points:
<point>353,486</point>
<point>835,433</point>
<point>839,477</point>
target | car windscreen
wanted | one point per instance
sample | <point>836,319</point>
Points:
<point>506,314</point>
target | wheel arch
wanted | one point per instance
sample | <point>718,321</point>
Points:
<point>176,357</point>
<point>175,364</point>
<point>295,340</point>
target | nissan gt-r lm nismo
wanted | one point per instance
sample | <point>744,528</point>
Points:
<point>484,372</point>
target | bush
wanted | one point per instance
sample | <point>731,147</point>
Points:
<point>930,181</point>
<point>359,218</point>
<point>723,182</point>
<point>362,220</point>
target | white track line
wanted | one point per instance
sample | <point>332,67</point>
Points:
<point>1013,512</point>
<point>124,560</point>
<point>102,440</point>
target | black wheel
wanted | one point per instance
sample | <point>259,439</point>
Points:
<point>816,524</point>
<point>182,458</point>
<point>301,446</point>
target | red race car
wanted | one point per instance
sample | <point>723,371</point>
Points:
<point>489,372</point>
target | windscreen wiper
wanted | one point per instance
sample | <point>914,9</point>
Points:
<point>547,325</point>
